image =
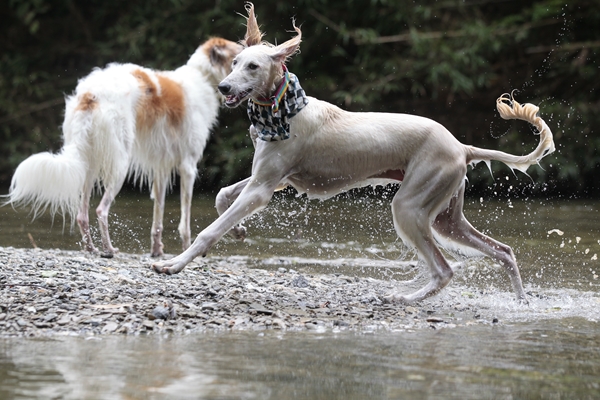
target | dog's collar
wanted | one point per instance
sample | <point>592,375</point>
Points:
<point>270,118</point>
<point>275,100</point>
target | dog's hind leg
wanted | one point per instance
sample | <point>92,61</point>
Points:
<point>452,225</point>
<point>159,189</point>
<point>83,217</point>
<point>225,198</point>
<point>102,211</point>
<point>187,175</point>
<point>414,207</point>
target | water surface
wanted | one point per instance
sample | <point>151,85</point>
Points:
<point>534,360</point>
<point>549,349</point>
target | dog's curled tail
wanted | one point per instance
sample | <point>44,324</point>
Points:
<point>49,181</point>
<point>509,108</point>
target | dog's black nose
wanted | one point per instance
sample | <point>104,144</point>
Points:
<point>224,88</point>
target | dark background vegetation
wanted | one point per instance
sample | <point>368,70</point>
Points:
<point>447,60</point>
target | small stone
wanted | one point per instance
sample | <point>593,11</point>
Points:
<point>434,319</point>
<point>50,317</point>
<point>258,308</point>
<point>210,306</point>
<point>299,281</point>
<point>21,322</point>
<point>162,313</point>
<point>148,324</point>
<point>110,327</point>
<point>411,310</point>
<point>279,323</point>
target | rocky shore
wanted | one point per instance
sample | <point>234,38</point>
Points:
<point>54,292</point>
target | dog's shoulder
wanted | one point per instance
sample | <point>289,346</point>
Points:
<point>325,111</point>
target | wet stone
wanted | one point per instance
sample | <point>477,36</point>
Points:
<point>299,281</point>
<point>162,312</point>
<point>87,295</point>
<point>110,327</point>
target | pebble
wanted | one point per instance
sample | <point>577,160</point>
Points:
<point>53,292</point>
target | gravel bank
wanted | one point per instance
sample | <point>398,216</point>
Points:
<point>54,292</point>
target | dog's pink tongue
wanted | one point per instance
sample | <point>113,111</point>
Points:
<point>231,99</point>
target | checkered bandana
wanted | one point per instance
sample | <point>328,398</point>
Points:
<point>271,117</point>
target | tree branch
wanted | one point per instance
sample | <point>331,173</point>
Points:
<point>408,37</point>
<point>563,47</point>
<point>32,109</point>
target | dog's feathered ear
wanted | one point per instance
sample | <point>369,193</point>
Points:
<point>221,51</point>
<point>253,33</point>
<point>217,55</point>
<point>285,50</point>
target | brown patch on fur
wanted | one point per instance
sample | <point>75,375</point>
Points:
<point>152,106</point>
<point>172,100</point>
<point>87,102</point>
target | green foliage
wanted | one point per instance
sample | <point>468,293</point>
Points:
<point>448,60</point>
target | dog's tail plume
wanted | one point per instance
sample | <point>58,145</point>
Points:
<point>54,182</point>
<point>49,181</point>
<point>509,108</point>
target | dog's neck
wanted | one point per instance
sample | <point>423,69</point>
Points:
<point>278,75</point>
<point>201,62</point>
<point>280,86</point>
<point>271,117</point>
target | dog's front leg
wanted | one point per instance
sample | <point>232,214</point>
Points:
<point>187,174</point>
<point>224,200</point>
<point>158,193</point>
<point>252,198</point>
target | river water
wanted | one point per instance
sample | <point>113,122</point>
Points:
<point>549,349</point>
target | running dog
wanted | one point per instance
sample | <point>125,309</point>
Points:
<point>129,119</point>
<point>321,150</point>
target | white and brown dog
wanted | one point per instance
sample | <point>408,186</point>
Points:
<point>322,150</point>
<point>129,119</point>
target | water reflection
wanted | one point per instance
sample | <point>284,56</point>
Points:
<point>534,360</point>
<point>549,349</point>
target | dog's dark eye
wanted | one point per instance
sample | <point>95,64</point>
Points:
<point>234,62</point>
<point>252,66</point>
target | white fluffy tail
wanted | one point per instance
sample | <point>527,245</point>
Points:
<point>49,181</point>
<point>509,108</point>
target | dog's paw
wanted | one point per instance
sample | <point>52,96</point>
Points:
<point>394,298</point>
<point>161,268</point>
<point>157,252</point>
<point>109,252</point>
<point>157,249</point>
<point>90,248</point>
<point>238,232</point>
<point>523,301</point>
<point>168,267</point>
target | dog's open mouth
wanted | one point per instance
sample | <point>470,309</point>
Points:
<point>233,100</point>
